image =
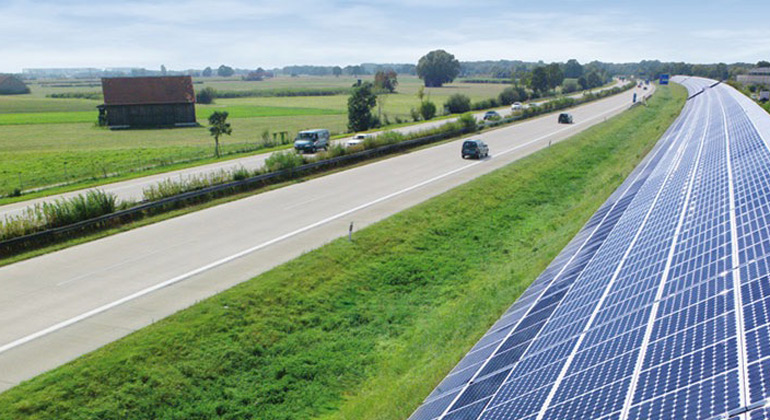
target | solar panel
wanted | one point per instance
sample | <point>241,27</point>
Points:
<point>660,305</point>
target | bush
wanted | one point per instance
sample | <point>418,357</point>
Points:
<point>468,122</point>
<point>458,103</point>
<point>486,104</point>
<point>415,114</point>
<point>508,96</point>
<point>206,96</point>
<point>283,160</point>
<point>427,110</point>
<point>569,86</point>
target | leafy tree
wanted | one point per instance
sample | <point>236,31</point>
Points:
<point>360,104</point>
<point>763,63</point>
<point>219,127</point>
<point>573,69</point>
<point>458,103</point>
<point>555,75</point>
<point>206,95</point>
<point>225,71</point>
<point>594,80</point>
<point>438,67</point>
<point>582,82</point>
<point>510,95</point>
<point>539,80</point>
<point>427,110</point>
<point>207,72</point>
<point>386,80</point>
<point>337,71</point>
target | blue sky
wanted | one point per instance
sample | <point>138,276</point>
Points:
<point>247,34</point>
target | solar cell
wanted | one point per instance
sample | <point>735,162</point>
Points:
<point>660,306</point>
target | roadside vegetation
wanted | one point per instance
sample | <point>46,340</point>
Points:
<point>362,329</point>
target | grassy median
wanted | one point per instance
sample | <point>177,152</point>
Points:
<point>360,330</point>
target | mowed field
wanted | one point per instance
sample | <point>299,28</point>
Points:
<point>48,141</point>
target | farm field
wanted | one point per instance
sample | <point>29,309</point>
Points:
<point>48,141</point>
<point>359,329</point>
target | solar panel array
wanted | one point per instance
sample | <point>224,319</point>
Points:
<point>660,305</point>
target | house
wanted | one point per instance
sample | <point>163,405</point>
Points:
<point>12,85</point>
<point>141,102</point>
<point>758,76</point>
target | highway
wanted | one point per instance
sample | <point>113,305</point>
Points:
<point>132,190</point>
<point>58,306</point>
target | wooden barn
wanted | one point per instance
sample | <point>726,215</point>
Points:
<point>141,102</point>
<point>12,85</point>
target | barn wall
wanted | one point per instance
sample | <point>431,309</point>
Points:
<point>150,115</point>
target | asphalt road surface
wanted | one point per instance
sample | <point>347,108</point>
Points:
<point>133,189</point>
<point>58,306</point>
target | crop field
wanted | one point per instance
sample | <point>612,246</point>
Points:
<point>48,141</point>
<point>360,329</point>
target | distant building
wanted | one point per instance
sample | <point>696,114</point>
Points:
<point>760,76</point>
<point>12,85</point>
<point>137,102</point>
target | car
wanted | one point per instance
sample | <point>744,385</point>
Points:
<point>517,106</point>
<point>565,118</point>
<point>492,115</point>
<point>358,139</point>
<point>312,140</point>
<point>474,149</point>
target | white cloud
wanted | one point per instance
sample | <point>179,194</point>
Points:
<point>268,33</point>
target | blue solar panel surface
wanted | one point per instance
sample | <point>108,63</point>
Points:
<point>660,306</point>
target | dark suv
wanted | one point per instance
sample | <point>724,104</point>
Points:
<point>565,118</point>
<point>475,149</point>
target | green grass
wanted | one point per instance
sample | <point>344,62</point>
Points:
<point>366,329</point>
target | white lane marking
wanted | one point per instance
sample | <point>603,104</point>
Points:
<point>177,279</point>
<point>302,203</point>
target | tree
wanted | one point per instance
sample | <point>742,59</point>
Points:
<point>763,64</point>
<point>539,80</point>
<point>207,72</point>
<point>163,69</point>
<point>360,104</point>
<point>594,79</point>
<point>583,82</point>
<point>438,67</point>
<point>458,103</point>
<point>225,71</point>
<point>219,127</point>
<point>555,75</point>
<point>573,69</point>
<point>206,95</point>
<point>386,80</point>
<point>337,71</point>
<point>427,110</point>
<point>511,94</point>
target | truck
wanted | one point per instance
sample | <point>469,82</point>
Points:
<point>311,140</point>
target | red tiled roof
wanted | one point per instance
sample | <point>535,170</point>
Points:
<point>148,90</point>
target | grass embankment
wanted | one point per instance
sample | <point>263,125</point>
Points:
<point>365,329</point>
